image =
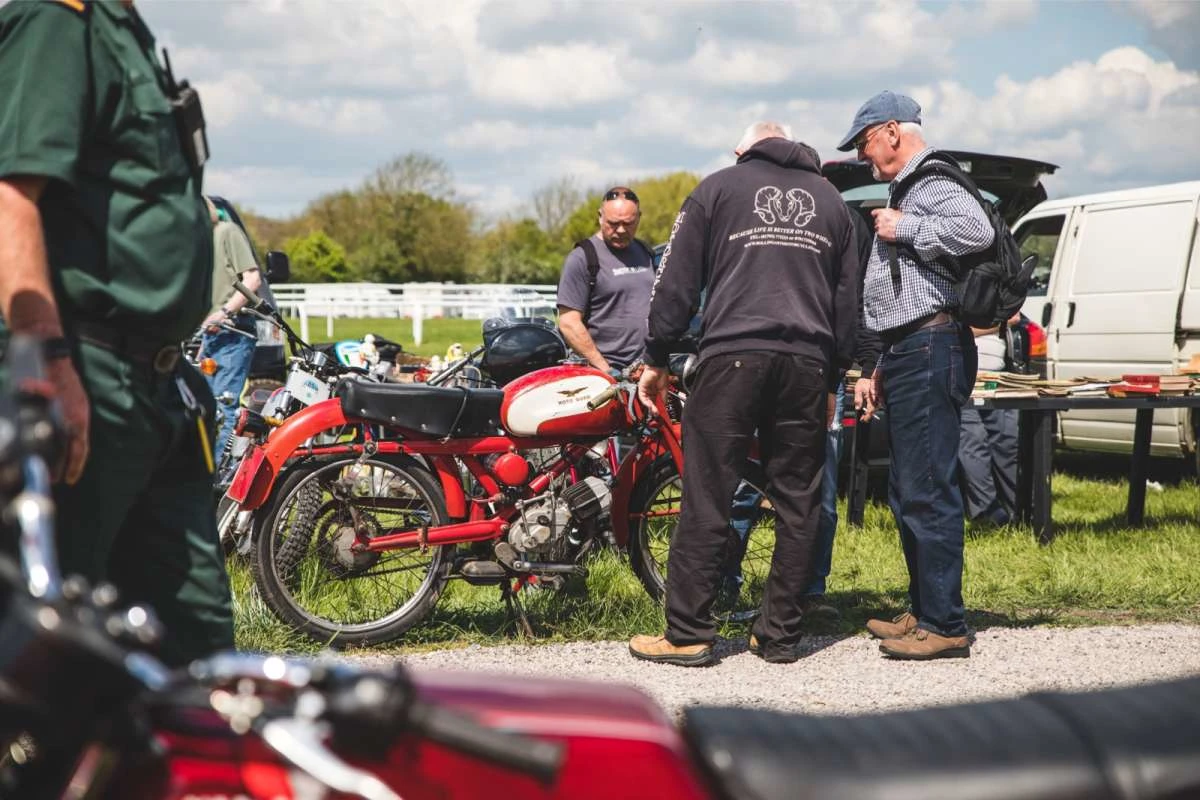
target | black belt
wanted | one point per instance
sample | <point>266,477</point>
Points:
<point>161,358</point>
<point>893,335</point>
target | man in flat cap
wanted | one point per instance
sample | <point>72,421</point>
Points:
<point>927,368</point>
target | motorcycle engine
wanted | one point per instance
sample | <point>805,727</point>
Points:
<point>551,520</point>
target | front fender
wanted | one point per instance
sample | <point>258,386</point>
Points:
<point>256,475</point>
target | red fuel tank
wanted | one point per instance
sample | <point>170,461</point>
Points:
<point>554,402</point>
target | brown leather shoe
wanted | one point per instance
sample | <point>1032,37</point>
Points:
<point>923,645</point>
<point>901,625</point>
<point>660,651</point>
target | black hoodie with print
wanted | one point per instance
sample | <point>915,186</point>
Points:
<point>773,244</point>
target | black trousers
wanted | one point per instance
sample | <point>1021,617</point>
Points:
<point>783,397</point>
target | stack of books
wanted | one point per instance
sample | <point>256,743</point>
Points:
<point>1135,386</point>
<point>1174,385</point>
<point>1004,384</point>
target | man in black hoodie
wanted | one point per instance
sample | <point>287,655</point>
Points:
<point>773,245</point>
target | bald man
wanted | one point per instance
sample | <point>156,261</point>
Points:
<point>604,290</point>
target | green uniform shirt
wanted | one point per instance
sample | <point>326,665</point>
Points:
<point>83,102</point>
<point>232,256</point>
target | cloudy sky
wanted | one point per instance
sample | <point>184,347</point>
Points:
<point>304,98</point>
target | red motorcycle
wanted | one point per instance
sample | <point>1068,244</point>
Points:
<point>493,486</point>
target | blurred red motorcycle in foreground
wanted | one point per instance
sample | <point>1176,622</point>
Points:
<point>87,712</point>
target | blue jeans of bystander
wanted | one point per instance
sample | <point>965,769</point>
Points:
<point>233,354</point>
<point>927,377</point>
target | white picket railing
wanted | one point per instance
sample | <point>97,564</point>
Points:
<point>418,301</point>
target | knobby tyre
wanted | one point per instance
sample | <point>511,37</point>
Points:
<point>746,560</point>
<point>307,572</point>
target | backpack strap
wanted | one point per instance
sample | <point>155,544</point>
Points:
<point>649,252</point>
<point>936,163</point>
<point>593,267</point>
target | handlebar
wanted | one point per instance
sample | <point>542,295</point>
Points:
<point>264,310</point>
<point>366,711</point>
<point>36,436</point>
<point>456,367</point>
<point>608,394</point>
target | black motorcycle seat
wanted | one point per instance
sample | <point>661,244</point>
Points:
<point>1132,744</point>
<point>436,411</point>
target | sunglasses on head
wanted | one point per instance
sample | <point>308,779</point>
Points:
<point>620,194</point>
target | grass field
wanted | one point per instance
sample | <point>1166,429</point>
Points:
<point>1096,572</point>
<point>438,334</point>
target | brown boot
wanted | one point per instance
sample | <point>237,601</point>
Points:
<point>900,626</point>
<point>660,651</point>
<point>923,645</point>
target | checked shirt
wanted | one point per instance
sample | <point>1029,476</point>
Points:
<point>940,219</point>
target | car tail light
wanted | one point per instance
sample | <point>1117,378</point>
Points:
<point>208,366</point>
<point>1037,340</point>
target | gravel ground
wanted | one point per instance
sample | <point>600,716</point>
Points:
<point>848,676</point>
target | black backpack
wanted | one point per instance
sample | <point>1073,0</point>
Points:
<point>991,284</point>
<point>593,267</point>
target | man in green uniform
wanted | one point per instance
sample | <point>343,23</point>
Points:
<point>106,253</point>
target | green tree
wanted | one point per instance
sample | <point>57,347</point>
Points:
<point>554,202</point>
<point>518,252</point>
<point>402,224</point>
<point>661,199</point>
<point>316,258</point>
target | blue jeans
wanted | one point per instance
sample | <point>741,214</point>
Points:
<point>233,354</point>
<point>987,455</point>
<point>746,504</point>
<point>927,378</point>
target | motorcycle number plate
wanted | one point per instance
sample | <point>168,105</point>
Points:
<point>307,388</point>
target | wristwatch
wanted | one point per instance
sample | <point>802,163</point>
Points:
<point>55,348</point>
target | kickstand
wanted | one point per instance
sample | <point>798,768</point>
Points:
<point>515,610</point>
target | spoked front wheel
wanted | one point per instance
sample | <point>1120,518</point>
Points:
<point>746,560</point>
<point>308,562</point>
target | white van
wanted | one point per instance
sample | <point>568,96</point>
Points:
<point>1117,289</point>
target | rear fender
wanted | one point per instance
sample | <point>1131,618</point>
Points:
<point>260,467</point>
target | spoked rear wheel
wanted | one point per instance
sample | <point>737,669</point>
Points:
<point>747,559</point>
<point>309,570</point>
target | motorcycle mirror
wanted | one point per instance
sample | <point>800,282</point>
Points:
<point>279,268</point>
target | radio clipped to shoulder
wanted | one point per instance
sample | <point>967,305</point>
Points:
<point>189,117</point>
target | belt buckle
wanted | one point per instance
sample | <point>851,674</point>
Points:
<point>165,360</point>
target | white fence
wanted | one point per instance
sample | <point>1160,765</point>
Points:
<point>418,301</point>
